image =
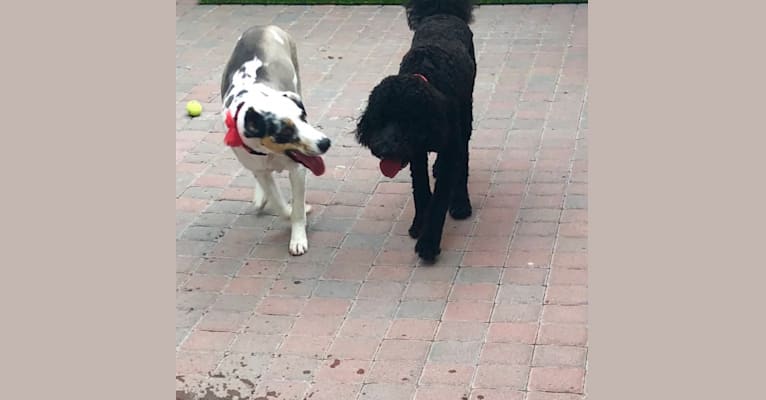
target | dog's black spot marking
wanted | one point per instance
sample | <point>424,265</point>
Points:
<point>285,131</point>
<point>284,137</point>
<point>241,92</point>
<point>242,69</point>
<point>229,100</point>
<point>228,91</point>
<point>300,105</point>
<point>262,74</point>
<point>255,124</point>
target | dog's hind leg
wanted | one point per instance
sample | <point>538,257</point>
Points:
<point>259,197</point>
<point>272,194</point>
<point>261,202</point>
<point>299,243</point>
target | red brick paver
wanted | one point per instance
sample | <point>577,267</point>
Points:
<point>502,315</point>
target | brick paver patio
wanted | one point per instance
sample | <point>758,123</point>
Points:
<point>501,316</point>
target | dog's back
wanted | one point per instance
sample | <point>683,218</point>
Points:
<point>275,52</point>
<point>420,10</point>
<point>441,23</point>
<point>442,44</point>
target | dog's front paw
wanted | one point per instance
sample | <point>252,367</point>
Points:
<point>427,249</point>
<point>299,244</point>
<point>461,209</point>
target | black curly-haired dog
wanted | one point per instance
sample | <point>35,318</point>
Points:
<point>428,107</point>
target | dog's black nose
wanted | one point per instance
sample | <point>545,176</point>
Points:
<point>323,144</point>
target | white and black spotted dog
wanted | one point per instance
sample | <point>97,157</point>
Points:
<point>266,121</point>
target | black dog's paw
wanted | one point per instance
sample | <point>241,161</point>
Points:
<point>427,250</point>
<point>461,209</point>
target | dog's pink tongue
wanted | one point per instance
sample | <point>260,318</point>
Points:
<point>390,168</point>
<point>314,163</point>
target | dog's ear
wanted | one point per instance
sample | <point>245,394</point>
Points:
<point>297,100</point>
<point>255,124</point>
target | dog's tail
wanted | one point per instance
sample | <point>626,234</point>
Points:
<point>419,9</point>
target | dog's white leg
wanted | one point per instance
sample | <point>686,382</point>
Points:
<point>261,202</point>
<point>299,243</point>
<point>272,193</point>
<point>259,198</point>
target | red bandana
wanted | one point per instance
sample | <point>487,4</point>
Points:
<point>232,137</point>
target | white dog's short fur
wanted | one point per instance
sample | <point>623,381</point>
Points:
<point>261,92</point>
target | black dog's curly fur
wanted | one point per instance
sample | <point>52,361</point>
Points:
<point>407,117</point>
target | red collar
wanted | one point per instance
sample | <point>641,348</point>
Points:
<point>232,137</point>
<point>421,77</point>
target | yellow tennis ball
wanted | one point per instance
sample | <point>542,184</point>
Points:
<point>194,108</point>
